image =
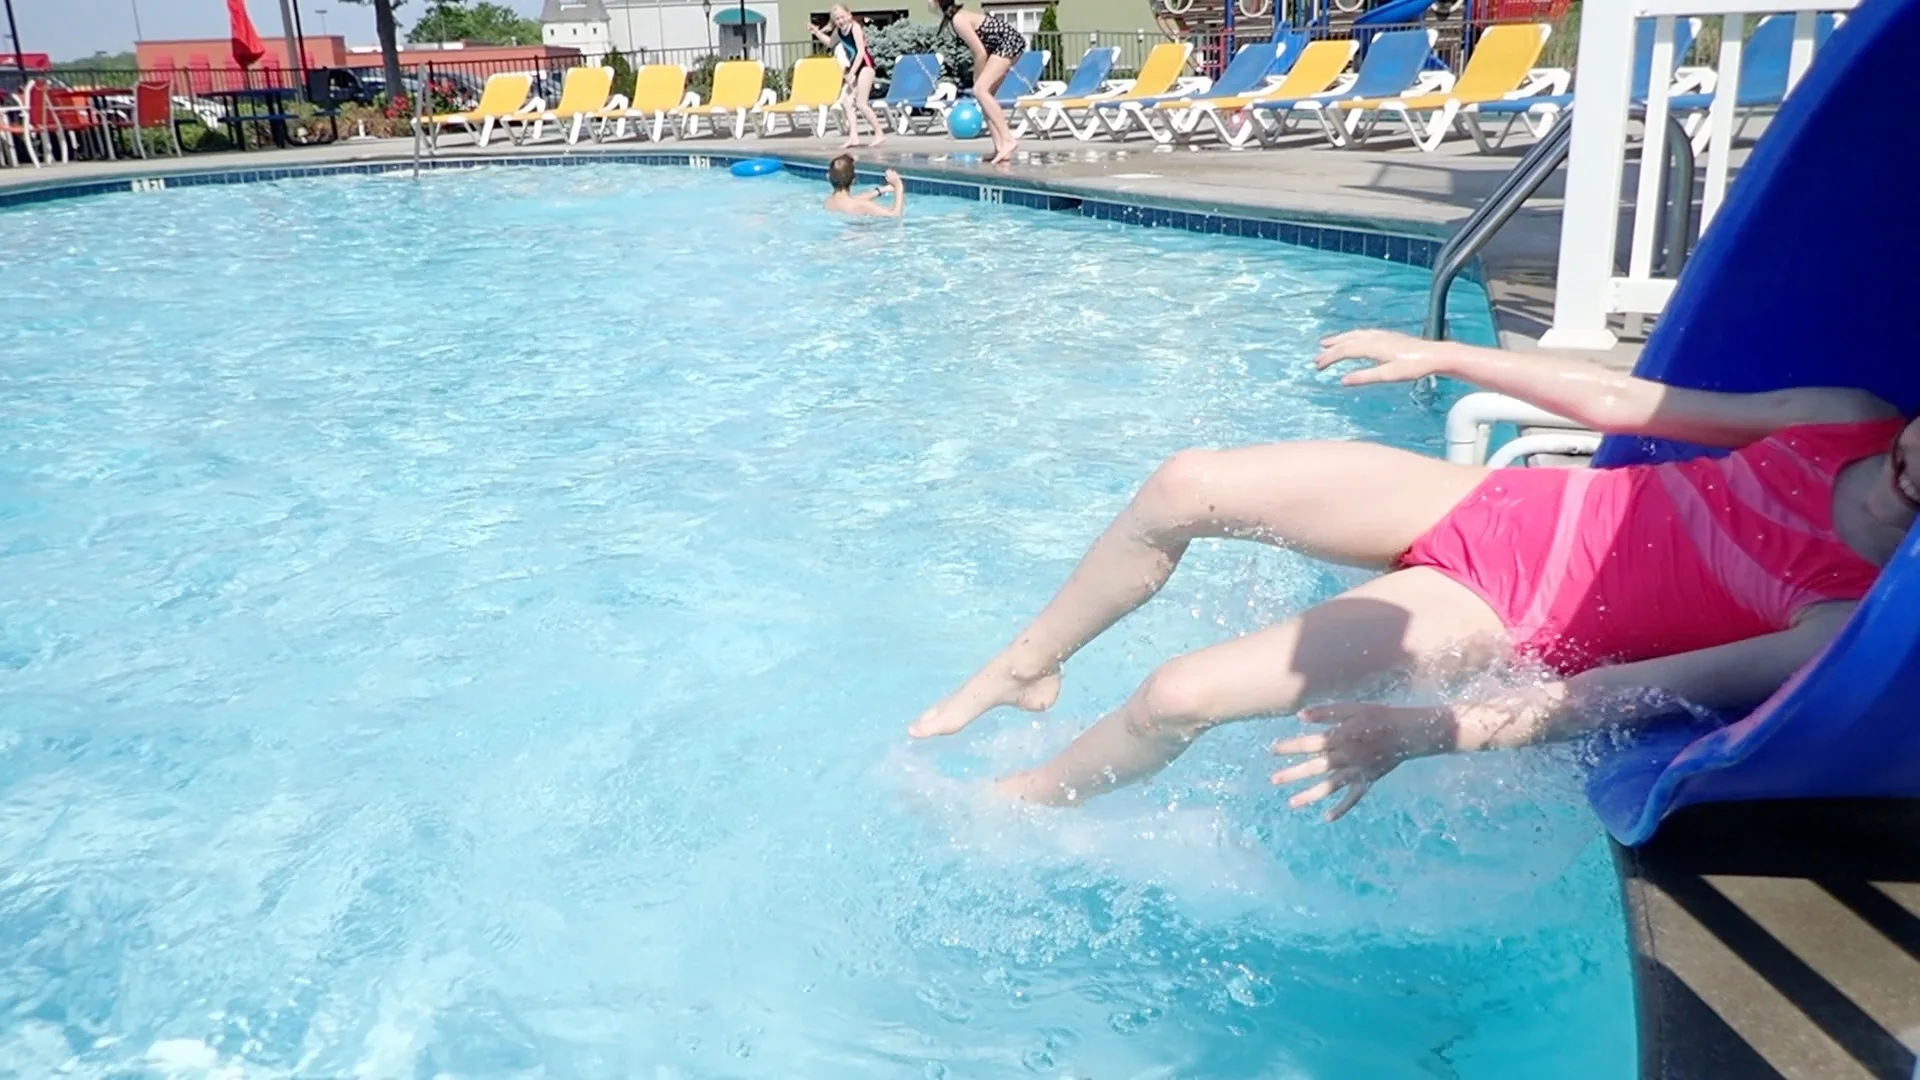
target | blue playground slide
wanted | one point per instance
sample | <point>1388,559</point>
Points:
<point>1808,276</point>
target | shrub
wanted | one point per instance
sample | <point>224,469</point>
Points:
<point>700,76</point>
<point>623,74</point>
<point>898,39</point>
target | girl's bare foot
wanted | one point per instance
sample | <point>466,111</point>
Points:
<point>878,141</point>
<point>999,683</point>
<point>1002,155</point>
<point>852,143</point>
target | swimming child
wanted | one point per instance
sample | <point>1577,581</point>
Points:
<point>849,42</point>
<point>842,200</point>
<point>996,44</point>
<point>1708,581</point>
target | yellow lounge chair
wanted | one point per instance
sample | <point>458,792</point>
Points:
<point>816,90</point>
<point>583,96</point>
<point>739,87</point>
<point>658,89</point>
<point>1322,65</point>
<point>503,97</point>
<point>1501,67</point>
<point>1156,78</point>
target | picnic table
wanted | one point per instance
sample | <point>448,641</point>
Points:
<point>256,105</point>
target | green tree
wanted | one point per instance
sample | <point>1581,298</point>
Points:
<point>484,22</point>
<point>1048,37</point>
<point>389,33</point>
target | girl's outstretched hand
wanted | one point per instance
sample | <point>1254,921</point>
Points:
<point>1396,357</point>
<point>1362,743</point>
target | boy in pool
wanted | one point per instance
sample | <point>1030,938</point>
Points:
<point>867,204</point>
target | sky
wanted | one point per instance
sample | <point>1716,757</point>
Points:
<point>75,29</point>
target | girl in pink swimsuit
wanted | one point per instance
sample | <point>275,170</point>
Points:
<point>1707,582</point>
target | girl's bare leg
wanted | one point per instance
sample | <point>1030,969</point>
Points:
<point>863,96</point>
<point>1415,619</point>
<point>986,83</point>
<point>853,125</point>
<point>1353,503</point>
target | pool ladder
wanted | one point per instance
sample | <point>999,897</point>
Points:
<point>1540,162</point>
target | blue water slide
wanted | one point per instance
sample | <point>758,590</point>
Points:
<point>1808,276</point>
<point>1394,13</point>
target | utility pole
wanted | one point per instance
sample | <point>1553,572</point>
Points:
<point>13,31</point>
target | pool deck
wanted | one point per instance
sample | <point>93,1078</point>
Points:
<point>1772,940</point>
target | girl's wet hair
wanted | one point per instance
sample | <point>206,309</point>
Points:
<point>947,8</point>
<point>840,172</point>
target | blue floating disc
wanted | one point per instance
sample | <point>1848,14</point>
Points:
<point>764,166</point>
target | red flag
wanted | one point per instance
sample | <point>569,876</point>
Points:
<point>247,49</point>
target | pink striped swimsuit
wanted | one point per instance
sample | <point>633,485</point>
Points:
<point>1600,566</point>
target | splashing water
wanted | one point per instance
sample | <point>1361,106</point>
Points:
<point>468,628</point>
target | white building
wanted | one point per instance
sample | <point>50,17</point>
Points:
<point>687,28</point>
<point>579,24</point>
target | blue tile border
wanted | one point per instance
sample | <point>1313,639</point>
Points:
<point>1381,243</point>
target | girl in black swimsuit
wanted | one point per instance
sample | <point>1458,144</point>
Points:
<point>996,44</point>
<point>849,42</point>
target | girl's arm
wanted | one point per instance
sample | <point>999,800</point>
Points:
<point>819,34</point>
<point>1598,397</point>
<point>1363,742</point>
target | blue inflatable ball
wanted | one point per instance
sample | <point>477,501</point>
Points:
<point>764,166</point>
<point>965,121</point>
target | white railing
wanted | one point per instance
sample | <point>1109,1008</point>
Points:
<point>1590,290</point>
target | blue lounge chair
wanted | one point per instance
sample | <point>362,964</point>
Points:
<point>1087,80</point>
<point>1023,80</point>
<point>1247,72</point>
<point>1392,67</point>
<point>1540,111</point>
<point>1289,44</point>
<point>914,87</point>
<point>1763,74</point>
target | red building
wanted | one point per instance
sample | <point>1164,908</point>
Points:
<point>208,64</point>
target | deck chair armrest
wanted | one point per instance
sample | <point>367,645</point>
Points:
<point>1344,83</point>
<point>617,103</point>
<point>767,97</point>
<point>689,101</point>
<point>1113,88</point>
<point>1191,86</point>
<point>1693,80</point>
<point>947,91</point>
<point>533,105</point>
<point>1543,81</point>
<point>1431,82</point>
<point>1048,88</point>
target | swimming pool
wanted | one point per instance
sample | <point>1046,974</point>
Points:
<point>467,627</point>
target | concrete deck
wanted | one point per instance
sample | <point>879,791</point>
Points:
<point>1773,940</point>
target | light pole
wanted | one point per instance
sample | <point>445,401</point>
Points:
<point>322,12</point>
<point>706,14</point>
<point>743,29</point>
<point>13,32</point>
<point>138,34</point>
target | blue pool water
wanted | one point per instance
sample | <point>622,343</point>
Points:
<point>467,627</point>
